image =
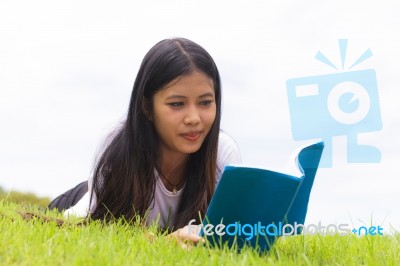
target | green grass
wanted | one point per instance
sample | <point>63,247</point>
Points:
<point>24,198</point>
<point>35,242</point>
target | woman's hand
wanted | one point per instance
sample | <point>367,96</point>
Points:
<point>187,236</point>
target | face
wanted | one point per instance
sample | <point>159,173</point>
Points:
<point>183,113</point>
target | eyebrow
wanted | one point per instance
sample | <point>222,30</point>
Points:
<point>175,96</point>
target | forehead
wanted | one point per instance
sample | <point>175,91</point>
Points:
<point>193,83</point>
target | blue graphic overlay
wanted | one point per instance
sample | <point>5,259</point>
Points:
<point>338,104</point>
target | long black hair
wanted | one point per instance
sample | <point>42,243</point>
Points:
<point>124,177</point>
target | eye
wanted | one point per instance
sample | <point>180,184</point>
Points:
<point>206,102</point>
<point>175,104</point>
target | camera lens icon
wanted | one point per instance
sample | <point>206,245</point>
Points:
<point>348,103</point>
<point>334,104</point>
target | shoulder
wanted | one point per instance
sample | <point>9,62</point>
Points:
<point>227,147</point>
<point>228,153</point>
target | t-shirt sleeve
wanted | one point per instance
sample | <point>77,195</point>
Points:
<point>228,153</point>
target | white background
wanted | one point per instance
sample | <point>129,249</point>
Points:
<point>67,69</point>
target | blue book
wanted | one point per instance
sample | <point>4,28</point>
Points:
<point>254,206</point>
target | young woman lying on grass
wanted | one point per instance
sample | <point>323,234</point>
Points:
<point>164,162</point>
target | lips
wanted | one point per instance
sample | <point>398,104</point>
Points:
<point>192,136</point>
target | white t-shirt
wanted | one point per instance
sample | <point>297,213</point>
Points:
<point>166,202</point>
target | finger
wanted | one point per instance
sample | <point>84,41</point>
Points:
<point>184,246</point>
<point>191,238</point>
<point>191,230</point>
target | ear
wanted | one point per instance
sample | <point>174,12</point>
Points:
<point>146,107</point>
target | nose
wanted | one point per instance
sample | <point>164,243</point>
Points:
<point>192,117</point>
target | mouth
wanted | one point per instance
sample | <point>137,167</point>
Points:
<point>192,136</point>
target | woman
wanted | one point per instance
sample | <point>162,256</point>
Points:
<point>166,159</point>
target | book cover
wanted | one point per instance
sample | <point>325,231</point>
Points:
<point>251,205</point>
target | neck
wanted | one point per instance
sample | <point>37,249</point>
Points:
<point>173,168</point>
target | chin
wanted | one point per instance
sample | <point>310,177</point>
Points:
<point>189,150</point>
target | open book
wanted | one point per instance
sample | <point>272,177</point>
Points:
<point>254,206</point>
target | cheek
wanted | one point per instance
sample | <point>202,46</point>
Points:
<point>160,123</point>
<point>164,124</point>
<point>209,117</point>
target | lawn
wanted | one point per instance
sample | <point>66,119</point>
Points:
<point>26,239</point>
